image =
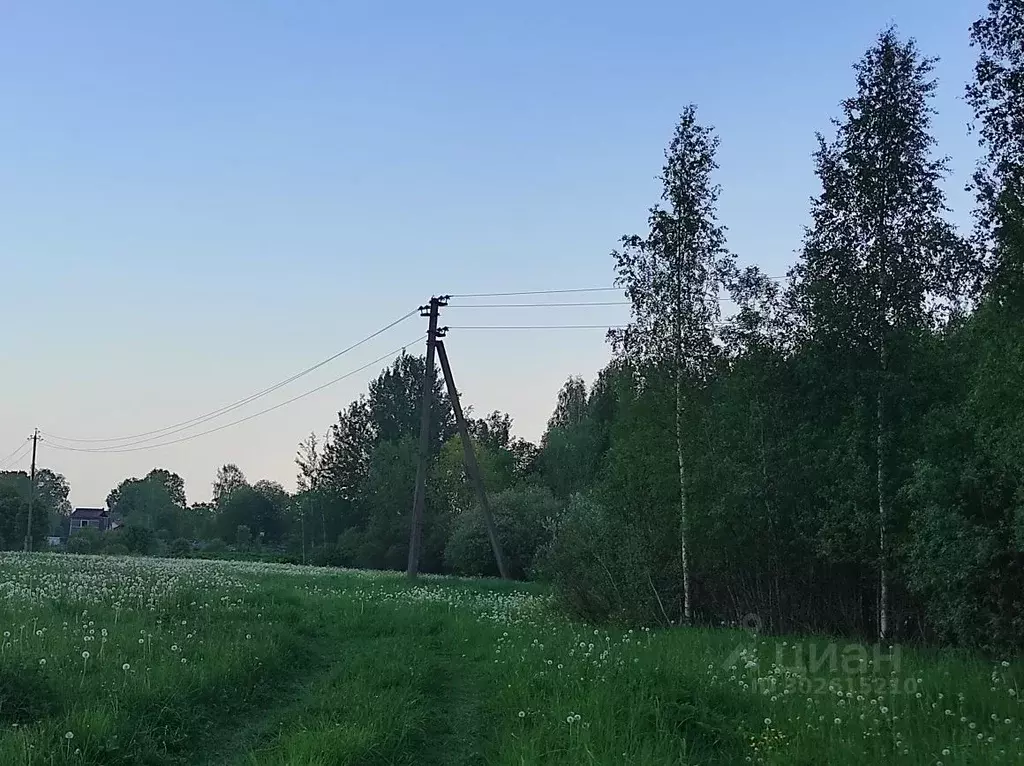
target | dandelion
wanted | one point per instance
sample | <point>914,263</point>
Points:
<point>85,655</point>
<point>125,667</point>
<point>522,714</point>
<point>42,661</point>
<point>69,735</point>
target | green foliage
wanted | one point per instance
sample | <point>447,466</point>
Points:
<point>150,502</point>
<point>243,537</point>
<point>261,509</point>
<point>523,515</point>
<point>179,548</point>
<point>51,496</point>
<point>85,541</point>
<point>575,561</point>
<point>229,479</point>
<point>137,539</point>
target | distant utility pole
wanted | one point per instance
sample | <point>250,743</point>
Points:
<point>432,311</point>
<point>31,491</point>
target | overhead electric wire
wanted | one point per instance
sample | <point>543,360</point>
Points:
<point>538,327</point>
<point>536,292</point>
<point>148,436</point>
<point>107,450</point>
<point>14,457</point>
<point>534,305</point>
<point>558,292</point>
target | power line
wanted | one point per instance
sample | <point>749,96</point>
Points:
<point>536,305</point>
<point>538,327</point>
<point>14,458</point>
<point>536,292</point>
<point>148,436</point>
<point>552,326</point>
<point>107,450</point>
<point>563,292</point>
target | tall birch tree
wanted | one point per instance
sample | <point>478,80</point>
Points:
<point>673,276</point>
<point>879,259</point>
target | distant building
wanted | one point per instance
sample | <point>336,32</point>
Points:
<point>89,518</point>
<point>53,541</point>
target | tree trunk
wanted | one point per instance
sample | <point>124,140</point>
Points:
<point>882,441</point>
<point>684,520</point>
<point>323,518</point>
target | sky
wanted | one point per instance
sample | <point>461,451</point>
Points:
<point>198,200</point>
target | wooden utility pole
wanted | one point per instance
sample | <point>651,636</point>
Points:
<point>431,310</point>
<point>31,491</point>
<point>472,467</point>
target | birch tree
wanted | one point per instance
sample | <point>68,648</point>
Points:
<point>997,96</point>
<point>673,276</point>
<point>879,256</point>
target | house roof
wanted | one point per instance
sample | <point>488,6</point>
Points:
<point>88,513</point>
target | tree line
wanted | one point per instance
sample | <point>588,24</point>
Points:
<point>842,453</point>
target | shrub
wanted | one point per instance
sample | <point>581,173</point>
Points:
<point>605,570</point>
<point>523,515</point>
<point>216,545</point>
<point>179,548</point>
<point>84,541</point>
<point>137,539</point>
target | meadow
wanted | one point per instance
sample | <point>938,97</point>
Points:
<point>121,660</point>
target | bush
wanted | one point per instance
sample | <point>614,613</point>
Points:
<point>216,545</point>
<point>603,570</point>
<point>179,548</point>
<point>136,539</point>
<point>327,556</point>
<point>524,517</point>
<point>84,541</point>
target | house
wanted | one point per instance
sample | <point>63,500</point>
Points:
<point>89,518</point>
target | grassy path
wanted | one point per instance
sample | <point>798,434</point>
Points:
<point>385,687</point>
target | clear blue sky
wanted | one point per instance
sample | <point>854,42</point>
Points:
<point>198,199</point>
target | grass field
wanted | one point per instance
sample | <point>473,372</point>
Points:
<point>149,661</point>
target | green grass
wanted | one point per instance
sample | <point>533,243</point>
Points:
<point>255,663</point>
